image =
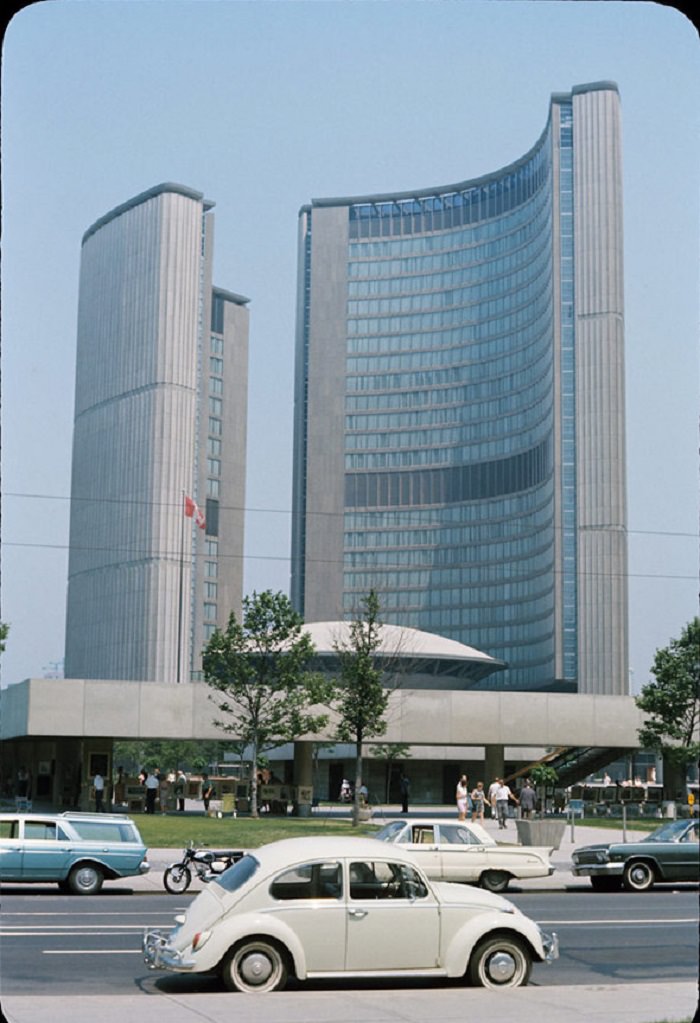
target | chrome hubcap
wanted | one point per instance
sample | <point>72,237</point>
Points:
<point>256,968</point>
<point>501,967</point>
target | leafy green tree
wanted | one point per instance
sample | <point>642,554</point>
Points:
<point>167,754</point>
<point>4,630</point>
<point>361,696</point>
<point>672,703</point>
<point>390,753</point>
<point>543,775</point>
<point>258,671</point>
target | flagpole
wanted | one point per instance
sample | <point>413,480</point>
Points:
<point>181,587</point>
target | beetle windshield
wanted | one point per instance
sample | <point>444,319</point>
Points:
<point>237,875</point>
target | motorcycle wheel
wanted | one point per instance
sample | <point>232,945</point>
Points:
<point>177,879</point>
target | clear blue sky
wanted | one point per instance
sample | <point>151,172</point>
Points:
<point>263,106</point>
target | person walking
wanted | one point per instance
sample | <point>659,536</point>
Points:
<point>462,797</point>
<point>528,799</point>
<point>478,800</point>
<point>493,788</point>
<point>503,797</point>
<point>180,790</point>
<point>207,792</point>
<point>404,788</point>
<point>98,784</point>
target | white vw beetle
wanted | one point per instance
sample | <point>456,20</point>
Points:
<point>345,907</point>
<point>464,851</point>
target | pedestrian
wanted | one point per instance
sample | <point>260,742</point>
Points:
<point>404,788</point>
<point>163,792</point>
<point>528,799</point>
<point>503,797</point>
<point>98,784</point>
<point>180,790</point>
<point>120,788</point>
<point>462,797</point>
<point>207,792</point>
<point>493,788</point>
<point>151,791</point>
<point>478,800</point>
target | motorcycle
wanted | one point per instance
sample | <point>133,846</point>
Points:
<point>206,864</point>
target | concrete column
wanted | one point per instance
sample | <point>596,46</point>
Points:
<point>493,764</point>
<point>303,777</point>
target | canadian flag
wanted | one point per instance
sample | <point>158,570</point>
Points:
<point>193,511</point>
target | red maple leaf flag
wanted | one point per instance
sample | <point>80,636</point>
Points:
<point>193,511</point>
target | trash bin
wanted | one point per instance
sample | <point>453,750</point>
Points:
<point>668,808</point>
<point>227,802</point>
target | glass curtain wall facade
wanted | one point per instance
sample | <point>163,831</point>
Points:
<point>443,456</point>
<point>157,346</point>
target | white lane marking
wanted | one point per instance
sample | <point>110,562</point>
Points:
<point>619,923</point>
<point>60,928</point>
<point>95,952</point>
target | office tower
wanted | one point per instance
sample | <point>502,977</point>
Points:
<point>459,407</point>
<point>160,417</point>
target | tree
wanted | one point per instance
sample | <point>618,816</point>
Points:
<point>672,702</point>
<point>258,670</point>
<point>543,775</point>
<point>390,752</point>
<point>4,629</point>
<point>361,698</point>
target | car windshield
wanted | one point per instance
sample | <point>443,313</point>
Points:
<point>670,832</point>
<point>237,875</point>
<point>390,832</point>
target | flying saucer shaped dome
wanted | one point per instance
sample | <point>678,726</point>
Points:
<point>430,660</point>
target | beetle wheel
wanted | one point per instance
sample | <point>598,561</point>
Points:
<point>255,966</point>
<point>85,880</point>
<point>638,876</point>
<point>177,879</point>
<point>499,962</point>
<point>494,880</point>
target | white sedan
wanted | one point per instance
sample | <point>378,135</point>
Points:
<point>464,851</point>
<point>328,907</point>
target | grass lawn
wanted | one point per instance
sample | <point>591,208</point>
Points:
<point>173,831</point>
<point>646,824</point>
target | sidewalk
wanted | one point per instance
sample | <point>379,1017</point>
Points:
<point>622,1003</point>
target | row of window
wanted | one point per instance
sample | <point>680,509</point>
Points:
<point>517,514</point>
<point>213,484</point>
<point>436,292</point>
<point>501,268</point>
<point>446,210</point>
<point>488,320</point>
<point>484,390</point>
<point>376,260</point>
<point>464,339</point>
<point>471,431</point>
<point>475,302</point>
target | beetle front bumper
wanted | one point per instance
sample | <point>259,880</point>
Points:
<point>159,955</point>
<point>550,944</point>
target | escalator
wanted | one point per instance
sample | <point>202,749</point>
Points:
<point>572,763</point>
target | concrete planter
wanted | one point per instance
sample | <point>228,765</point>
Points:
<point>365,813</point>
<point>540,832</point>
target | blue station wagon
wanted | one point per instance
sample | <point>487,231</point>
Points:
<point>77,850</point>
